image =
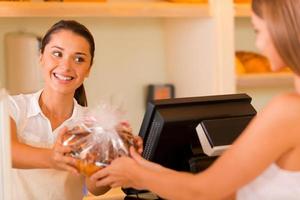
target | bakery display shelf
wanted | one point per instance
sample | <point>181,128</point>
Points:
<point>242,9</point>
<point>264,80</point>
<point>103,9</point>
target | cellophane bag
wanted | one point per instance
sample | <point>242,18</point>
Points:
<point>94,138</point>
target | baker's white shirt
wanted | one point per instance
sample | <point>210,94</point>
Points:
<point>273,184</point>
<point>34,129</point>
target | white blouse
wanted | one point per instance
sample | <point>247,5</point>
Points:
<point>273,184</point>
<point>34,129</point>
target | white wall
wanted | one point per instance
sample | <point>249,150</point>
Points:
<point>129,55</point>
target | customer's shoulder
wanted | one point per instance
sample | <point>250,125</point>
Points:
<point>282,114</point>
<point>286,100</point>
<point>285,108</point>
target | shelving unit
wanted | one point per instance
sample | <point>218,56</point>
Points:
<point>106,9</point>
<point>260,79</point>
<point>242,10</point>
<point>264,80</point>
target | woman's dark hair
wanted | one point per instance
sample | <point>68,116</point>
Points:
<point>80,30</point>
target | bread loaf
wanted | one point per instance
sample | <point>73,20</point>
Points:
<point>253,62</point>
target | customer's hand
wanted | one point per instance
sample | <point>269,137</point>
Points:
<point>60,158</point>
<point>125,131</point>
<point>121,172</point>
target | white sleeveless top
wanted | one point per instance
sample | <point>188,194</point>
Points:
<point>34,129</point>
<point>273,184</point>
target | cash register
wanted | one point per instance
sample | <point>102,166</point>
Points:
<point>188,134</point>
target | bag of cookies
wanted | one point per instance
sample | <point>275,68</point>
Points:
<point>95,140</point>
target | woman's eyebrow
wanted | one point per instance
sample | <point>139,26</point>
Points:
<point>81,53</point>
<point>57,47</point>
<point>78,53</point>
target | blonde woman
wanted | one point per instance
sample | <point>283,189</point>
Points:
<point>264,162</point>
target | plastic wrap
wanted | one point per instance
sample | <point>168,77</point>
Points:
<point>95,140</point>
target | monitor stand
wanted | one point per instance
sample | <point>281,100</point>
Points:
<point>200,162</point>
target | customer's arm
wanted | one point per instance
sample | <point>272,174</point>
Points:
<point>263,142</point>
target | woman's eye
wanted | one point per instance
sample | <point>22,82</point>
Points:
<point>79,59</point>
<point>57,54</point>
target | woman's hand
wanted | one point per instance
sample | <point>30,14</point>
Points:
<point>125,131</point>
<point>59,155</point>
<point>123,171</point>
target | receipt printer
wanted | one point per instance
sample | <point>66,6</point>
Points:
<point>217,134</point>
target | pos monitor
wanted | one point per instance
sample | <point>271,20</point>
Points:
<point>188,134</point>
<point>169,129</point>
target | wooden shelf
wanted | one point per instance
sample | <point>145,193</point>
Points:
<point>242,10</point>
<point>264,80</point>
<point>98,9</point>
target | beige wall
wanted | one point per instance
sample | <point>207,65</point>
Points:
<point>129,55</point>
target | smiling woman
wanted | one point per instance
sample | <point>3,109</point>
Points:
<point>38,119</point>
<point>58,52</point>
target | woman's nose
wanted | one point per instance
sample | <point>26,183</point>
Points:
<point>66,63</point>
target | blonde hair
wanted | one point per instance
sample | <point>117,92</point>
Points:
<point>283,20</point>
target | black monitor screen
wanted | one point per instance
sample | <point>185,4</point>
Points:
<point>169,128</point>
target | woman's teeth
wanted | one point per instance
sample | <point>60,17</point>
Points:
<point>62,77</point>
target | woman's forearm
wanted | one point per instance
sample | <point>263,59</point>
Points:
<point>27,157</point>
<point>169,184</point>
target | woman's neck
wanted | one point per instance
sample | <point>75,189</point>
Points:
<point>56,107</point>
